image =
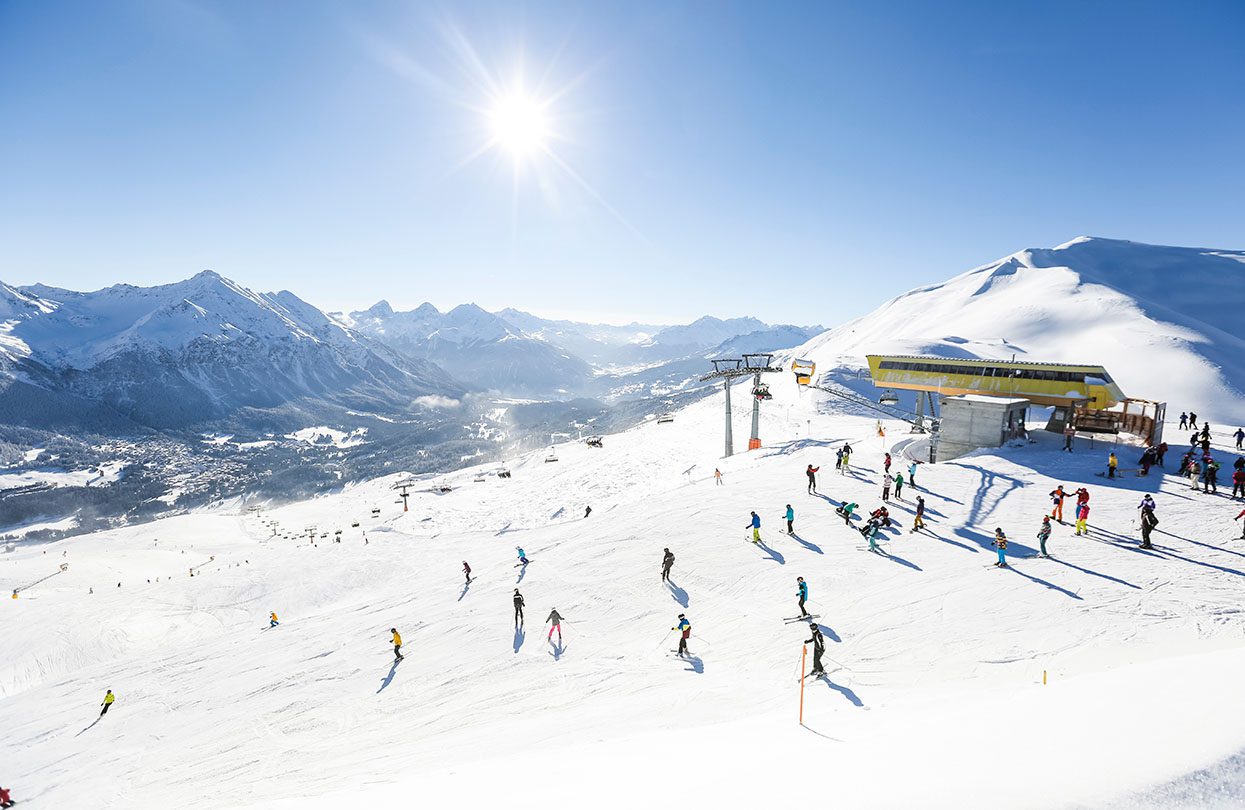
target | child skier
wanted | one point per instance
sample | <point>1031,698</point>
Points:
<point>1148,521</point>
<point>1057,496</point>
<point>886,464</point>
<point>847,458</point>
<point>466,570</point>
<point>1112,462</point>
<point>1043,535</point>
<point>397,644</point>
<point>918,522</point>
<point>1000,542</point>
<point>685,629</point>
<point>556,618</point>
<point>522,556</point>
<point>801,590</point>
<point>790,520</point>
<point>272,619</point>
<point>755,523</point>
<point>1082,518</point>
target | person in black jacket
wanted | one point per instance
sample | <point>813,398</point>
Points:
<point>518,608</point>
<point>667,562</point>
<point>1148,522</point>
<point>819,647</point>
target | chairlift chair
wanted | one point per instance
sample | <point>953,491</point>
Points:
<point>888,397</point>
<point>665,418</point>
<point>761,392</point>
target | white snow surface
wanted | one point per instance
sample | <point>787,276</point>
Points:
<point>934,697</point>
<point>107,473</point>
<point>1164,321</point>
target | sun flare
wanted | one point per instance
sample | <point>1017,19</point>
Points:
<point>520,124</point>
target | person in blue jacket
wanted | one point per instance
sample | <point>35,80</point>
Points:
<point>685,631</point>
<point>522,556</point>
<point>801,590</point>
<point>755,523</point>
<point>790,520</point>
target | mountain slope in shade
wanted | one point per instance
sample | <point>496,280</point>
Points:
<point>1164,321</point>
<point>184,353</point>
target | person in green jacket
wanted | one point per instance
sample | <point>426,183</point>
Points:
<point>899,486</point>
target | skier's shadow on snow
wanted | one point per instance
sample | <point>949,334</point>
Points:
<point>694,664</point>
<point>519,636</point>
<point>1094,573</point>
<point>829,633</point>
<point>522,574</point>
<point>88,728</point>
<point>939,537</point>
<point>388,678</point>
<point>810,546</point>
<point>1199,543</point>
<point>678,593</point>
<point>774,553</point>
<point>897,559</point>
<point>556,650</point>
<point>466,587</point>
<point>845,692</point>
<point>1040,581</point>
<point>1169,553</point>
<point>987,542</point>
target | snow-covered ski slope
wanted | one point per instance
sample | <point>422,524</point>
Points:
<point>1165,321</point>
<point>936,659</point>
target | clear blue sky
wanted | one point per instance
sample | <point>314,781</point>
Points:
<point>797,162</point>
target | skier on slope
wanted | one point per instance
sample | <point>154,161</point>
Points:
<point>1113,461</point>
<point>1238,483</point>
<point>1057,497</point>
<point>556,618</point>
<point>518,608</point>
<point>1211,477</point>
<point>397,644</point>
<point>466,570</point>
<point>801,590</point>
<point>1192,420</point>
<point>790,515</point>
<point>1148,521</point>
<point>1184,421</point>
<point>918,522</point>
<point>755,524</point>
<point>522,556</point>
<point>1082,518</point>
<point>109,699</point>
<point>886,488</point>
<point>1205,434</point>
<point>911,476</point>
<point>1240,437</point>
<point>685,629</point>
<point>1000,542</point>
<point>886,464</point>
<point>870,531</point>
<point>667,562</point>
<point>847,458</point>
<point>717,476</point>
<point>819,647</point>
<point>811,472</point>
<point>1043,535</point>
<point>272,619</point>
<point>899,486</point>
<point>846,510</point>
<point>587,511</point>
<point>838,459</point>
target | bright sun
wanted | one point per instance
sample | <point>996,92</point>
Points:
<point>519,124</point>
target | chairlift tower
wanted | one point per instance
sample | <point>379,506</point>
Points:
<point>728,369</point>
<point>404,488</point>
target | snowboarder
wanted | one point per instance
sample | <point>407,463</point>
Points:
<point>685,629</point>
<point>556,618</point>
<point>1082,518</point>
<point>801,590</point>
<point>717,476</point>
<point>1239,436</point>
<point>1000,542</point>
<point>397,644</point>
<point>1112,462</point>
<point>1057,496</point>
<point>846,511</point>
<point>911,477</point>
<point>790,520</point>
<point>847,458</point>
<point>522,556</point>
<point>755,523</point>
<point>518,608</point>
<point>819,647</point>
<point>918,522</point>
<point>109,697</point>
<point>811,472</point>
<point>1184,421</point>
<point>1148,521</point>
<point>667,562</point>
<point>272,619</point>
<point>1043,535</point>
<point>466,570</point>
<point>886,488</point>
<point>899,486</point>
<point>587,511</point>
<point>886,464</point>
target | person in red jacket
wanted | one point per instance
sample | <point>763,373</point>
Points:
<point>5,799</point>
<point>1238,483</point>
<point>1238,517</point>
<point>811,472</point>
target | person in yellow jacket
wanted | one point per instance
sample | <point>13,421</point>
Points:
<point>108,700</point>
<point>397,644</point>
<point>1112,463</point>
<point>272,619</point>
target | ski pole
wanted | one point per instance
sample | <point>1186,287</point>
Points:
<point>663,640</point>
<point>708,643</point>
